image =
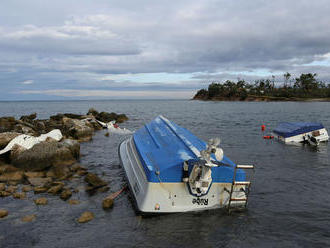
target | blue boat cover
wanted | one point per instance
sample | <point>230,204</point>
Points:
<point>163,146</point>
<point>288,129</point>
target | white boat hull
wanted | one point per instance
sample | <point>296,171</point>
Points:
<point>322,137</point>
<point>151,197</point>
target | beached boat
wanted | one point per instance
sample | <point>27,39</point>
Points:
<point>171,170</point>
<point>301,132</point>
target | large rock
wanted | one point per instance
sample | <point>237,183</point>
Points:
<point>94,180</point>
<point>42,156</point>
<point>7,124</point>
<point>85,217</point>
<point>28,118</point>
<point>107,117</point>
<point>6,137</point>
<point>73,146</point>
<point>78,129</point>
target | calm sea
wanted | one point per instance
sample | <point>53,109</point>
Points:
<point>289,205</point>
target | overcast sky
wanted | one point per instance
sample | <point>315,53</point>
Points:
<point>103,49</point>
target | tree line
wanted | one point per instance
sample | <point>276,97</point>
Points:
<point>305,86</point>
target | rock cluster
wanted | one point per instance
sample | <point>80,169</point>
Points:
<point>48,166</point>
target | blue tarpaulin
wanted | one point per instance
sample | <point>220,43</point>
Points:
<point>288,129</point>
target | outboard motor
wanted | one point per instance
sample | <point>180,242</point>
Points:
<point>200,177</point>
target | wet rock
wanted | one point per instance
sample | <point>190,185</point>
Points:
<point>42,156</point>
<point>66,194</point>
<point>40,181</point>
<point>27,188</point>
<point>57,117</point>
<point>6,137</point>
<point>28,218</point>
<point>4,194</point>
<point>61,171</point>
<point>94,181</point>
<point>85,217</point>
<point>3,213</point>
<point>107,203</point>
<point>25,129</point>
<point>93,112</point>
<point>7,168</point>
<point>13,183</point>
<point>34,174</point>
<point>41,201</point>
<point>74,116</point>
<point>106,134</point>
<point>39,190</point>
<point>103,189</point>
<point>77,167</point>
<point>2,186</point>
<point>19,195</point>
<point>55,189</point>
<point>11,189</point>
<point>12,176</point>
<point>7,124</point>
<point>121,118</point>
<point>73,146</point>
<point>28,118</point>
<point>50,173</point>
<point>78,129</point>
<point>73,202</point>
<point>106,117</point>
<point>82,172</point>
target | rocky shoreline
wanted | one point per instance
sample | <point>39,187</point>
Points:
<point>251,98</point>
<point>50,165</point>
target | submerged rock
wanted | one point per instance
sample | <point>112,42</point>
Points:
<point>56,189</point>
<point>16,176</point>
<point>40,181</point>
<point>66,194</point>
<point>11,189</point>
<point>19,195</point>
<point>34,174</point>
<point>85,217</point>
<point>26,188</point>
<point>73,202</point>
<point>3,213</point>
<point>41,201</point>
<point>94,180</point>
<point>28,218</point>
<point>39,190</point>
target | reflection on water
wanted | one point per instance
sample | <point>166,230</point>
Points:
<point>289,202</point>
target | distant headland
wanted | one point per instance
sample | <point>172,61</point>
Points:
<point>304,88</point>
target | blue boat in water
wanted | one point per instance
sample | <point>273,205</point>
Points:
<point>171,170</point>
<point>301,132</point>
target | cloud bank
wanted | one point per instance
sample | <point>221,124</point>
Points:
<point>156,47</point>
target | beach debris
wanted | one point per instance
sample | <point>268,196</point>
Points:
<point>41,201</point>
<point>28,218</point>
<point>3,213</point>
<point>86,217</point>
<point>27,141</point>
<point>114,128</point>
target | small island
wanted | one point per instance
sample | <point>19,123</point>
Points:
<point>304,88</point>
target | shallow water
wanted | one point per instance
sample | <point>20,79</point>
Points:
<point>288,205</point>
